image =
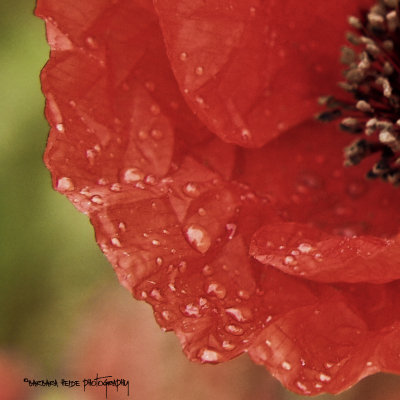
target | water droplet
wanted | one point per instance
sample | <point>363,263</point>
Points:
<point>234,329</point>
<point>199,100</point>
<point>301,386</point>
<point>216,289</point>
<point>243,294</point>
<point>159,261</point>
<point>246,134</point>
<point>199,71</point>
<point>133,175</point>
<point>369,363</point>
<point>142,134</point>
<point>155,109</point>
<point>207,355</point>
<point>172,287</point>
<point>241,315</point>
<point>97,200</point>
<point>198,237</point>
<point>65,185</point>
<point>91,42</point>
<point>191,310</point>
<point>305,248</point>
<point>182,266</point>
<point>207,270</point>
<point>150,180</point>
<point>191,190</point>
<point>231,228</point>
<point>227,345</point>
<point>268,319</point>
<point>202,212</point>
<point>324,378</point>
<point>157,134</point>
<point>318,257</point>
<point>115,241</point>
<point>166,315</point>
<point>116,187</point>
<point>286,365</point>
<point>155,294</point>
<point>60,128</point>
<point>122,226</point>
<point>289,260</point>
<point>155,242</point>
<point>183,56</point>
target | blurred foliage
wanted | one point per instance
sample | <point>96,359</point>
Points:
<point>51,268</point>
<point>48,256</point>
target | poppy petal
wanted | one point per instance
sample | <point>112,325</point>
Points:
<point>250,70</point>
<point>336,226</point>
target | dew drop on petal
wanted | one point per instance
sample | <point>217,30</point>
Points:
<point>234,329</point>
<point>305,248</point>
<point>191,310</point>
<point>207,270</point>
<point>289,260</point>
<point>198,237</point>
<point>96,200</point>
<point>246,134</point>
<point>324,378</point>
<point>191,189</point>
<point>159,261</point>
<point>133,175</point>
<point>142,134</point>
<point>157,134</point>
<point>155,294</point>
<point>155,242</point>
<point>202,212</point>
<point>182,266</point>
<point>60,128</point>
<point>199,70</point>
<point>286,365</point>
<point>166,315</point>
<point>243,294</point>
<point>183,56</point>
<point>227,345</point>
<point>301,386</point>
<point>65,185</point>
<point>216,289</point>
<point>241,315</point>
<point>115,241</point>
<point>231,229</point>
<point>155,109</point>
<point>207,355</point>
<point>115,187</point>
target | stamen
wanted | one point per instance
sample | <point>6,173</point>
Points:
<point>372,77</point>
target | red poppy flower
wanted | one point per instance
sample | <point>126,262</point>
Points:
<point>184,130</point>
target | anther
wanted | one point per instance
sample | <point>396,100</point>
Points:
<point>363,106</point>
<point>355,22</point>
<point>372,77</point>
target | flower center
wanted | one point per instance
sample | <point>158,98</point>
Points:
<point>372,80</point>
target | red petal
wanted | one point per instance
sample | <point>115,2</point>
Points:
<point>125,148</point>
<point>337,227</point>
<point>251,70</point>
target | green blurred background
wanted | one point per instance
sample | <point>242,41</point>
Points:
<point>52,272</point>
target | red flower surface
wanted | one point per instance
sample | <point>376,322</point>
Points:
<point>184,130</point>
